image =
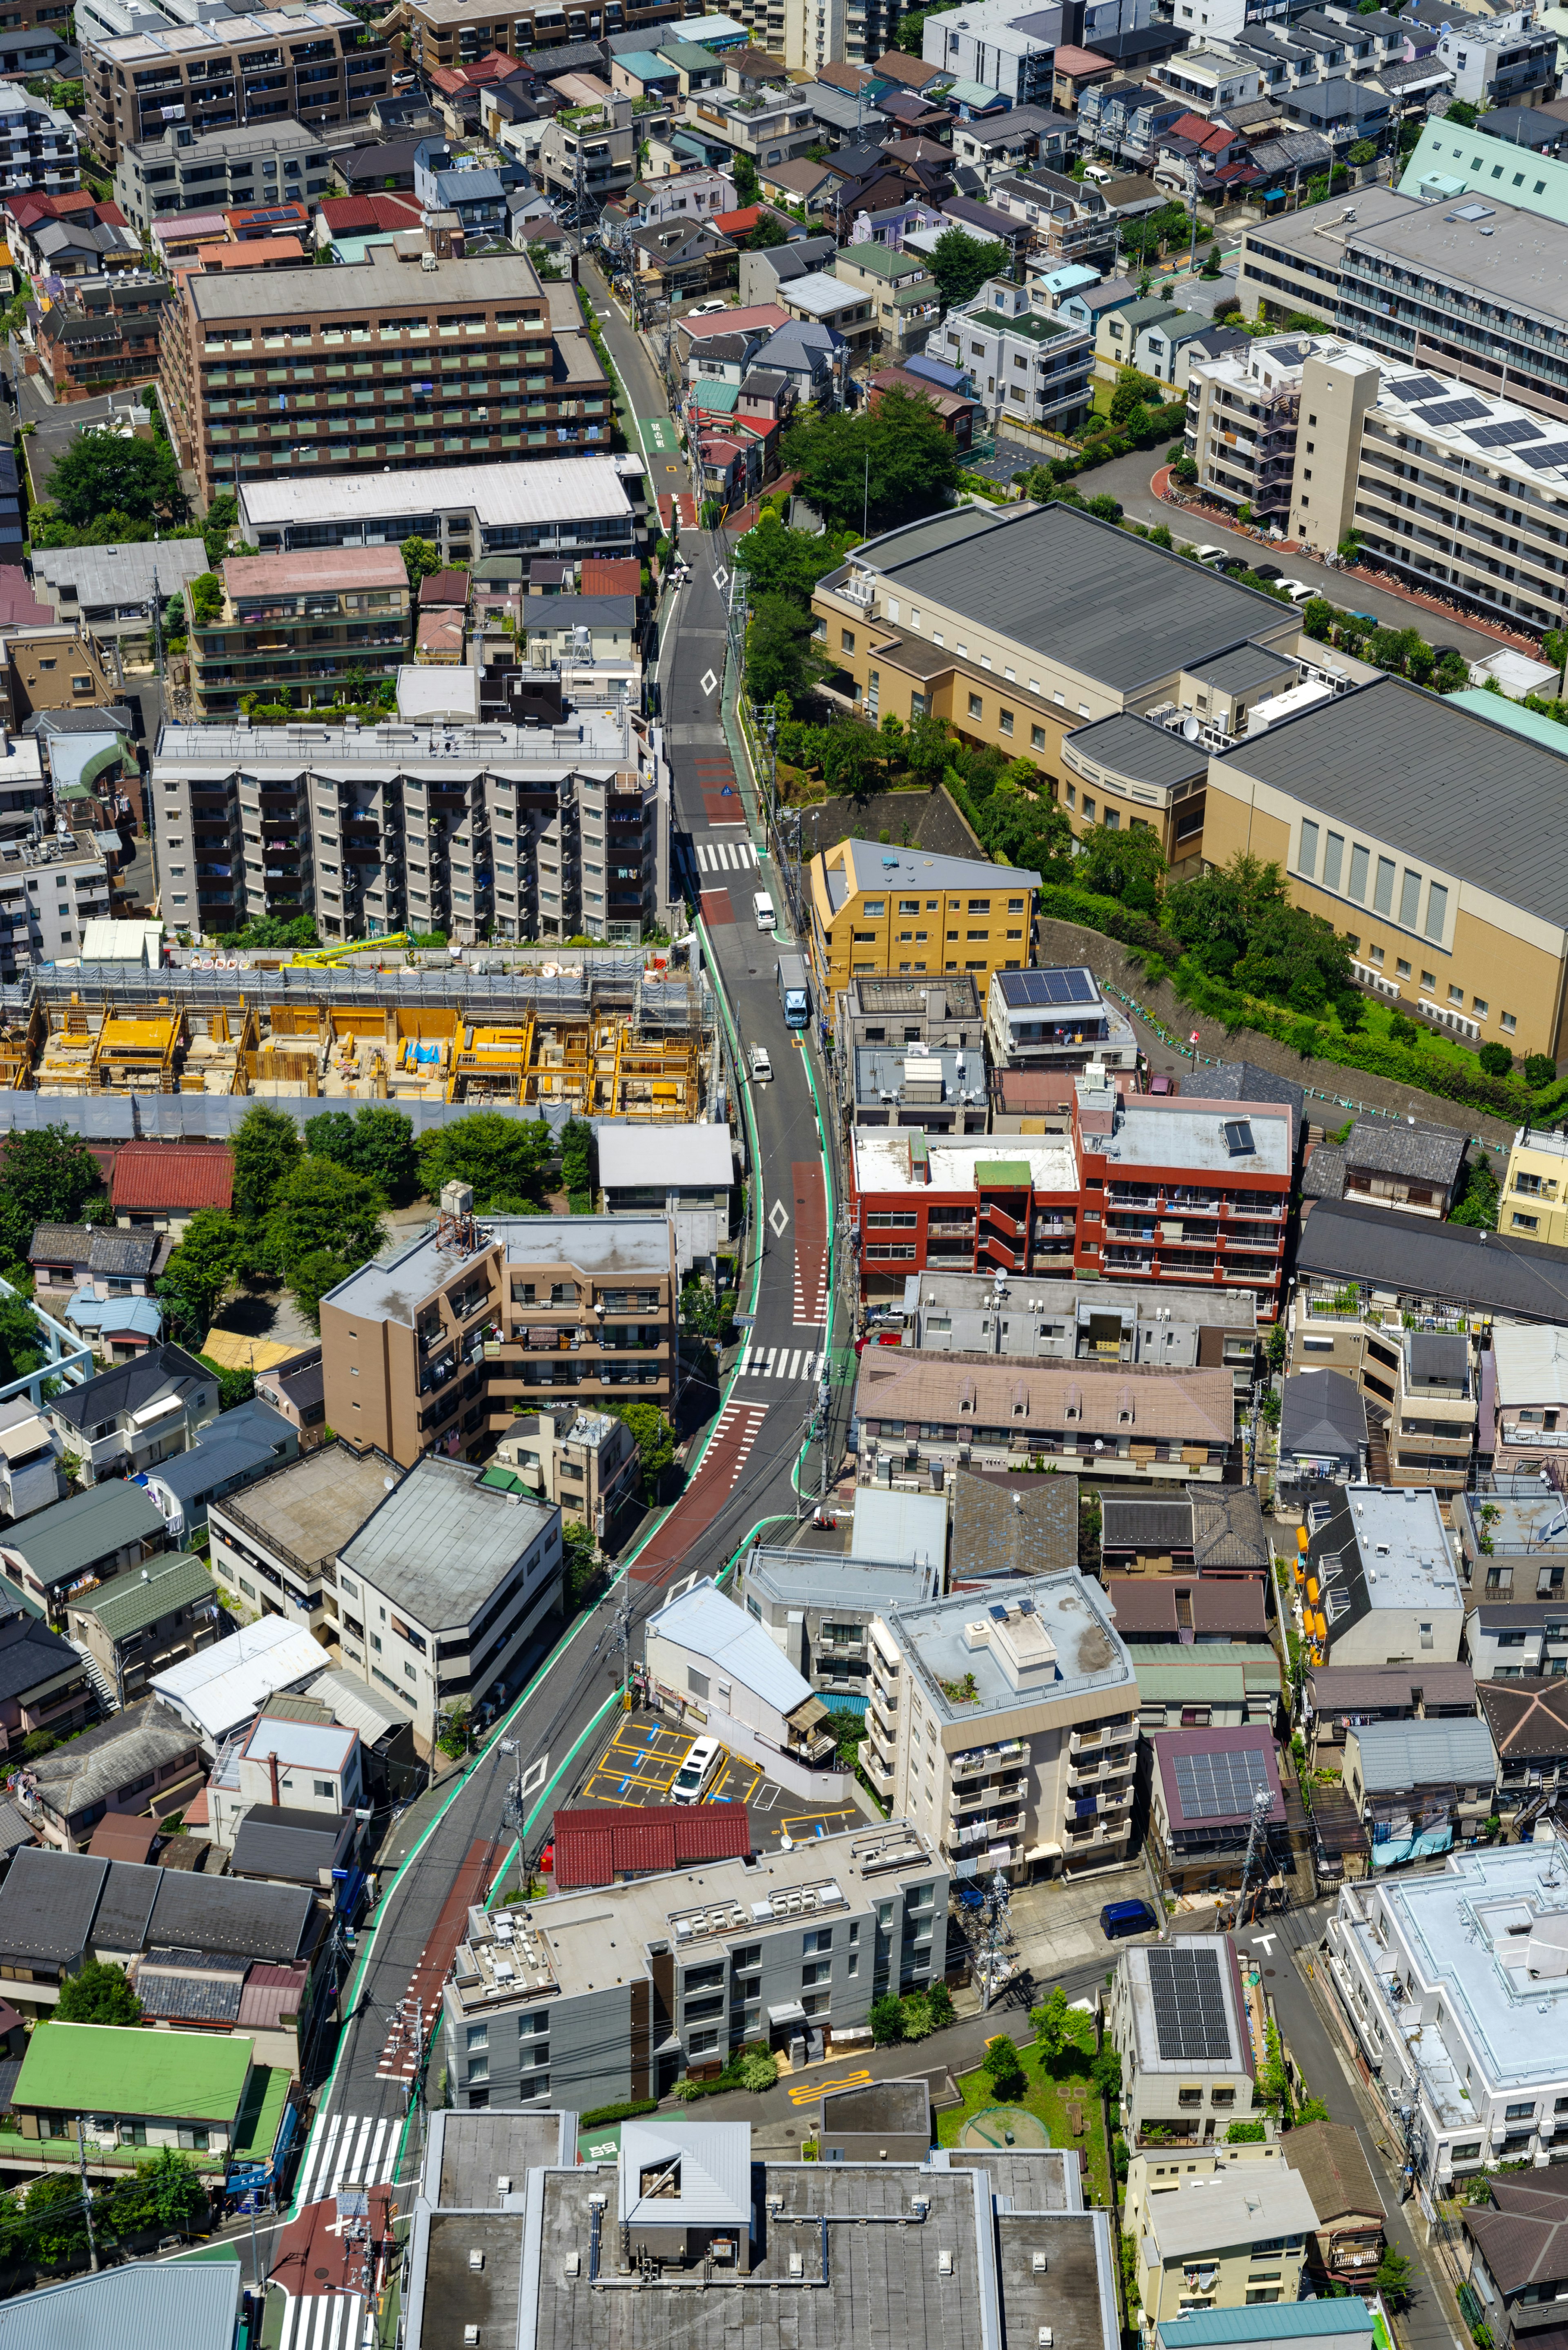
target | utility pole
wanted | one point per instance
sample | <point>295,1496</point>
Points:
<point>87,2190</point>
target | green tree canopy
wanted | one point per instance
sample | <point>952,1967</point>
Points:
<point>655,1441</point>
<point>22,1347</point>
<point>1004,2067</point>
<point>267,1149</point>
<point>1132,390</point>
<point>209,1261</point>
<point>100,473</point>
<point>780,656</point>
<point>222,515</point>
<point>1129,864</point>
<point>378,1143</point>
<point>1061,2030</point>
<point>46,1177</point>
<point>887,2021</point>
<point>504,1159</point>
<point>165,2192</point>
<point>577,1155</point>
<point>97,1993</point>
<point>882,466</point>
<point>320,1206</point>
<point>314,1274</point>
<point>54,2220</point>
<point>748,187</point>
<point>778,561</point>
<point>961,264</point>
<point>420,559</point>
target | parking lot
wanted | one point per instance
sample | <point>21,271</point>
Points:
<point>639,1762</point>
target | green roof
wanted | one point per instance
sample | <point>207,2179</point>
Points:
<point>94,2068</point>
<point>1012,1171</point>
<point>133,1601</point>
<point>1258,1663</point>
<point>69,1536</point>
<point>1477,162</point>
<point>719,398</point>
<point>1185,1684</point>
<point>883,262</point>
<point>260,2114</point>
<point>1034,330</point>
<point>505,1480</point>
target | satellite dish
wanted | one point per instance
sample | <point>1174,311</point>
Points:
<point>1189,728</point>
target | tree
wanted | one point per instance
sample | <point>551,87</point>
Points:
<point>928,747</point>
<point>22,1345</point>
<point>46,1177</point>
<point>1004,2067</point>
<point>1462,114</point>
<point>319,1208</point>
<point>940,2006</point>
<point>1496,1060</point>
<point>1061,2030</point>
<point>1395,2279</point>
<point>266,1148</point>
<point>99,1993</point>
<point>208,1262</point>
<point>1128,864</point>
<point>579,1558</point>
<point>420,559</point>
<point>961,264</point>
<point>384,1152</point>
<point>223,513</point>
<point>748,187</point>
<point>100,474</point>
<point>578,1155</point>
<point>851,758</point>
<point>1313,2110</point>
<point>1364,151</point>
<point>778,561</point>
<point>655,1441</point>
<point>314,1274</point>
<point>331,1136</point>
<point>1105,2073</point>
<point>1210,262</point>
<point>885,465</point>
<point>502,1158</point>
<point>1478,1203</point>
<point>166,2193</point>
<point>1134,390</point>
<point>55,2220</point>
<point>780,656</point>
<point>887,2021</point>
<point>1274,2085</point>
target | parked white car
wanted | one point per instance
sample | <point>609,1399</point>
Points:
<point>1297,589</point>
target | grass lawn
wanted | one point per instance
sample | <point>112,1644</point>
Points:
<point>1047,2098</point>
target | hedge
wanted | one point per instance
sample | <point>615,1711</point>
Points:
<point>1163,424</point>
<point>630,2111</point>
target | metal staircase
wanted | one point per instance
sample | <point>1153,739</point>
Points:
<point>108,1696</point>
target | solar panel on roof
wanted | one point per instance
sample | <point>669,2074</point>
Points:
<point>1046,987</point>
<point>1503,436</point>
<point>1189,2018</point>
<point>1453,411</point>
<point>1220,1786</point>
<point>1419,387</point>
<point>1547,460</point>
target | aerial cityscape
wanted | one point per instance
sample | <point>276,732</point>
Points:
<point>784,1182</point>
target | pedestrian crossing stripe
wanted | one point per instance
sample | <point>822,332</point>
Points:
<point>325,2321</point>
<point>779,1363</point>
<point>358,2146</point>
<point>725,855</point>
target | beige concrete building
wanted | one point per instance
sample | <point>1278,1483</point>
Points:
<point>1177,2019</point>
<point>583,1462</point>
<point>1235,2240</point>
<point>439,1341</point>
<point>1007,1734</point>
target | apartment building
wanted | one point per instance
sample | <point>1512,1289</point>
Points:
<point>905,305</point>
<point>1007,1731</point>
<point>1108,1322</point>
<point>317,64</point>
<point>1449,163</point>
<point>1052,1023</point>
<point>1176,2017</point>
<point>1242,423</point>
<point>49,890</point>
<point>101,335</point>
<point>505,830</point>
<point>585,1462</point>
<point>300,628</point>
<point>445,1589</point>
<point>1233,2241</point>
<point>375,363</point>
<point>438,33</point>
<point>1445,897</point>
<point>1377,1584</point>
<point>435,1343</point>
<point>1029,371</point>
<point>1022,638</point>
<point>39,144</point>
<point>819,1610</point>
<point>1501,60</point>
<point>875,910</point>
<point>181,170</point>
<point>1535,1187</point>
<point>277,1542</point>
<point>767,1948</point>
<point>767,124</point>
<point>565,508</point>
<point>1443,1976</point>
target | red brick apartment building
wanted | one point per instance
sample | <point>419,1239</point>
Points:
<point>1142,1188</point>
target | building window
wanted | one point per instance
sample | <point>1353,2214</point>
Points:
<point>1509,1023</point>
<point>976,707</point>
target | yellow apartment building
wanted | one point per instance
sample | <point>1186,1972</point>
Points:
<point>880,910</point>
<point>1234,2240</point>
<point>1534,1203</point>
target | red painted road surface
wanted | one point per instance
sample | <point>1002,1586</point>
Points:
<point>723,1464</point>
<point>810,1242</point>
<point>399,2058</point>
<point>716,907</point>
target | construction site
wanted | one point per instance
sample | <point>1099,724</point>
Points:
<point>617,1039</point>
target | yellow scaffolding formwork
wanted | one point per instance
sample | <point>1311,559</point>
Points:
<point>140,1051</point>
<point>490,1063</point>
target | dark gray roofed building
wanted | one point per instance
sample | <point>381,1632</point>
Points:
<point>143,1759</point>
<point>1344,1240</point>
<point>1399,1165</point>
<point>1323,1430</point>
<point>1012,1526</point>
<point>292,1846</point>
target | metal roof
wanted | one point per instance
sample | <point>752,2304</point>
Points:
<point>1532,1365</point>
<point>1210,2329</point>
<point>86,2067</point>
<point>504,496</point>
<point>1131,746</point>
<point>133,1601</point>
<point>1398,1754</point>
<point>46,1904</point>
<point>71,1535</point>
<point>356,1706</point>
<point>679,1156</point>
<point>225,1684</point>
<point>281,1841</point>
<point>444,1541</point>
<point>312,1745</point>
<point>1343,1240</point>
<point>707,1624</point>
<point>905,1529</point>
<point>594,1844</point>
<point>707,2164</point>
<point>127,1387</point>
<point>144,2305</point>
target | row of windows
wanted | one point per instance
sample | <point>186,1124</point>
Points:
<point>1479,1004</point>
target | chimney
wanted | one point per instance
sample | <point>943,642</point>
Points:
<point>272,1770</point>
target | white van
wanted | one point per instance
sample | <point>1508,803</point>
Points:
<point>762,908</point>
<point>691,1779</point>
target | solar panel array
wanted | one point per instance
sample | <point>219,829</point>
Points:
<point>1419,387</point>
<point>1453,411</point>
<point>1220,1786</point>
<point>1504,436</point>
<point>1189,2018</point>
<point>1547,460</point>
<point>1047,988</point>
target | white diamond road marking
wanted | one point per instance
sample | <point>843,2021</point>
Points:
<point>779,1363</point>
<point>534,1777</point>
<point>709,682</point>
<point>778,1220</point>
<point>721,577</point>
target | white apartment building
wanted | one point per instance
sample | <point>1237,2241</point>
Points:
<point>1028,372</point>
<point>49,890</point>
<point>518,832</point>
<point>1007,1731</point>
<point>1177,2020</point>
<point>1455,1982</point>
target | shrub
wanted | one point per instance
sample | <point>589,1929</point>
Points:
<point>1496,1060</point>
<point>759,2070</point>
<point>887,2021</point>
<point>1004,2067</point>
<point>1540,1069</point>
<point>1245,2133</point>
<point>628,2112</point>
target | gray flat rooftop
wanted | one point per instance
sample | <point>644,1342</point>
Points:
<point>1072,1612</point>
<point>1400,1533</point>
<point>442,1543</point>
<point>1398,765</point>
<point>1130,746</point>
<point>825,1578</point>
<point>597,741</point>
<point>1502,254</point>
<point>1196,1138</point>
<point>1088,1301</point>
<point>314,1504</point>
<point>380,277</point>
<point>392,1288</point>
<point>1246,667</point>
<point>473,2150</point>
<point>1080,592</point>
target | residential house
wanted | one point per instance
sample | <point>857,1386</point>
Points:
<point>1213,1684</point>
<point>313,1768</point>
<point>1053,1022</point>
<point>81,1541</point>
<point>1029,373</point>
<point>1529,1411</point>
<point>1528,1721</point>
<point>278,1844</point>
<point>1339,1696</point>
<point>1206,1789</point>
<point>30,1475</point>
<point>762,274</point>
<point>813,359</point>
<point>1519,1639</point>
<point>1414,1168</point>
<point>101,1283</point>
<point>798,181</point>
<point>1119,328</point>
<point>216,1688</point>
<point>1204,2240</point>
<point>179,2089</point>
<point>1534,1190</point>
<point>703,1645</point>
<point>906,303</point>
<point>1177,2016</point>
<point>818,1610</point>
<point>1420,1786</point>
<point>1346,2245</point>
<point>129,1418</point>
<point>231,1452</point>
<point>44,1688</point>
<point>142,1760</point>
<point>1167,1609</point>
<point>1207,1531</point>
<point>1013,140</point>
<point>687,1173</point>
<point>134,1627</point>
<point>582,1463</point>
<point>1519,2256</point>
<point>954,410</point>
<point>1323,1434</point>
<point>1126,119</point>
<point>159,1186</point>
<point>1379,1585</point>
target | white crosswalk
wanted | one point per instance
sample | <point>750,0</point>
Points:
<point>326,2321</point>
<point>725,855</point>
<point>779,1363</point>
<point>357,2147</point>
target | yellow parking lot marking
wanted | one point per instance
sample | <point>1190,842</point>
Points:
<point>806,2093</point>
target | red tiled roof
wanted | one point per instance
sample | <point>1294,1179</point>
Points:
<point>592,1847</point>
<point>18,605</point>
<point>270,1993</point>
<point>443,589</point>
<point>738,224</point>
<point>181,1176</point>
<point>603,575</point>
<point>1069,59</point>
<point>496,67</point>
<point>352,215</point>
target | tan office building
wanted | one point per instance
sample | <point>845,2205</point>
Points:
<point>443,1342</point>
<point>880,910</point>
